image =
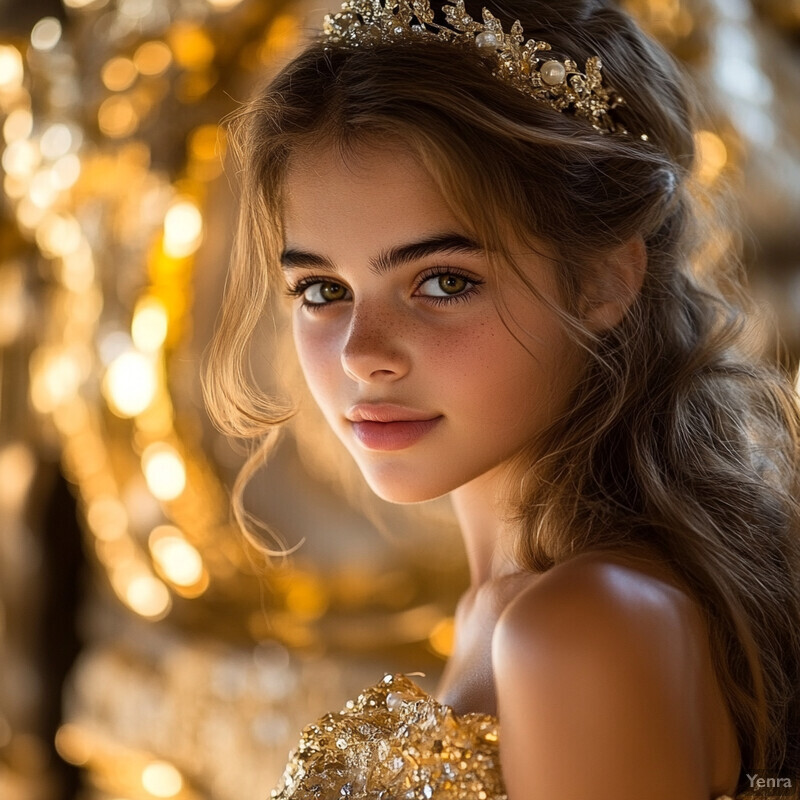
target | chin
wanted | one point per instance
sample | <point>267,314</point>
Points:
<point>404,492</point>
<point>404,496</point>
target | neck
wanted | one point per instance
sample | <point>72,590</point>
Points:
<point>487,537</point>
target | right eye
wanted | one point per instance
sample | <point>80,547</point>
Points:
<point>315,292</point>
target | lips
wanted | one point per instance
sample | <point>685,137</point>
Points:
<point>387,426</point>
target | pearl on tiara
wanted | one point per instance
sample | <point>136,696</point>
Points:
<point>487,39</point>
<point>553,73</point>
<point>558,84</point>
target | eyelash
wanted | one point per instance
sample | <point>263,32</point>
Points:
<point>300,287</point>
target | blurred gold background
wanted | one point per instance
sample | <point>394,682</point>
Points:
<point>147,649</point>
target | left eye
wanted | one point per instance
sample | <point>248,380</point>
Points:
<point>445,285</point>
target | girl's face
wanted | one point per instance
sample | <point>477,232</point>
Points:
<point>397,332</point>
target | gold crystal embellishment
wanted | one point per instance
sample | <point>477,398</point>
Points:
<point>525,65</point>
<point>395,742</point>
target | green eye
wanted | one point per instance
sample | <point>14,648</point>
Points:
<point>332,291</point>
<point>445,284</point>
<point>452,284</point>
<point>324,292</point>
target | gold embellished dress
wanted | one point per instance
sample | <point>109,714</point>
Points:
<point>396,742</point>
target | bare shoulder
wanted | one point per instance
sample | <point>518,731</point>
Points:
<point>600,589</point>
<point>598,677</point>
<point>597,610</point>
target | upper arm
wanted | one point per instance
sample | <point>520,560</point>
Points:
<point>597,695</point>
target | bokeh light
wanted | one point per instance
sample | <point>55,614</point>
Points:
<point>712,156</point>
<point>21,158</point>
<point>135,9</point>
<point>18,124</point>
<point>12,72</point>
<point>164,471</point>
<point>183,229</point>
<point>107,517</point>
<point>77,269</point>
<point>152,58</point>
<point>161,779</point>
<point>118,74</point>
<point>29,214</point>
<point>117,117</point>
<point>307,597</point>
<point>66,171</point>
<point>223,4</point>
<point>46,34</point>
<point>142,592</point>
<point>205,142</point>
<point>130,383</point>
<point>178,560</point>
<point>148,596</point>
<point>56,141</point>
<point>73,745</point>
<point>56,377</point>
<point>59,235</point>
<point>42,191</point>
<point>191,45</point>
<point>442,636</point>
<point>149,325</point>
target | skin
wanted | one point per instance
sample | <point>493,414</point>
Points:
<point>371,337</point>
<point>389,341</point>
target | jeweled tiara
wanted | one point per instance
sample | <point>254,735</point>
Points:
<point>559,84</point>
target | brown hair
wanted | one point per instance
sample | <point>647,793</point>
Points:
<point>677,437</point>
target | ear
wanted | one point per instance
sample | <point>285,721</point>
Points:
<point>613,284</point>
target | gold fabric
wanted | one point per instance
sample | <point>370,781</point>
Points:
<point>396,742</point>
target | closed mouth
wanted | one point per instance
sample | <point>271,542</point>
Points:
<point>393,435</point>
<point>388,413</point>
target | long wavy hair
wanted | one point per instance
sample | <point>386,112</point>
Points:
<point>678,436</point>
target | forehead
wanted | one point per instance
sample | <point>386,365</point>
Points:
<point>375,193</point>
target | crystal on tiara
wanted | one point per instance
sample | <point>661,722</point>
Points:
<point>559,84</point>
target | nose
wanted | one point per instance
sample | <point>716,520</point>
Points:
<point>373,350</point>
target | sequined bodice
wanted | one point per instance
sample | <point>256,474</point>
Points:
<point>396,742</point>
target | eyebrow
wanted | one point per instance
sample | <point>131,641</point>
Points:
<point>393,257</point>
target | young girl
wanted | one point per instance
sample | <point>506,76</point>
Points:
<point>486,223</point>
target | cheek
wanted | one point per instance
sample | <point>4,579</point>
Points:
<point>477,368</point>
<point>318,354</point>
<point>511,379</point>
<point>457,350</point>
